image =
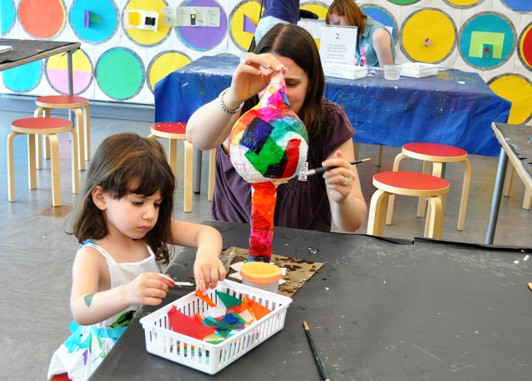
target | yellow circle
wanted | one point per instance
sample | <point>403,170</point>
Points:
<point>517,90</point>
<point>318,9</point>
<point>428,36</point>
<point>164,65</point>
<point>147,37</point>
<point>80,62</point>
<point>463,3</point>
<point>251,10</point>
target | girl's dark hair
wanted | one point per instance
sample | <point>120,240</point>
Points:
<point>294,42</point>
<point>351,11</point>
<point>123,164</point>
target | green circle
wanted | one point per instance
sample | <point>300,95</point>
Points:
<point>403,2</point>
<point>120,73</point>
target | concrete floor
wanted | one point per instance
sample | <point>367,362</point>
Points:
<point>36,255</point>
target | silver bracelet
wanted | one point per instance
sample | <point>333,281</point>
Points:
<point>224,107</point>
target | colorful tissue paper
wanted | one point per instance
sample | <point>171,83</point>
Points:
<point>268,145</point>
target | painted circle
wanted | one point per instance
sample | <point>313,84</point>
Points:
<point>403,2</point>
<point>101,16</point>
<point>487,40</point>
<point>518,5</point>
<point>243,21</point>
<point>463,3</point>
<point>316,7</point>
<point>202,38</point>
<point>42,19</point>
<point>147,37</point>
<point>381,15</point>
<point>428,35</point>
<point>518,90</point>
<point>7,16</point>
<point>163,64</point>
<point>120,73</point>
<point>57,72</point>
<point>23,78</point>
<point>525,47</point>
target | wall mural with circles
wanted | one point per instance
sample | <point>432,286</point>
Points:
<point>129,45</point>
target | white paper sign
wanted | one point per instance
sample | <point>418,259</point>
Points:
<point>198,16</point>
<point>338,44</point>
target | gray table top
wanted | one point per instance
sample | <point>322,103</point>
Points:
<point>378,310</point>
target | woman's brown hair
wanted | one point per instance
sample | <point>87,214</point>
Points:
<point>351,11</point>
<point>125,164</point>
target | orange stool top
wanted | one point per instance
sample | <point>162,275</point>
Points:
<point>409,181</point>
<point>435,150</point>
<point>41,124</point>
<point>61,101</point>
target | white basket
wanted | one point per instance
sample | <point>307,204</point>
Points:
<point>201,355</point>
<point>419,69</point>
<point>345,71</point>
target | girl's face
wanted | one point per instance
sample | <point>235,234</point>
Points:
<point>132,215</point>
<point>338,20</point>
<point>296,83</point>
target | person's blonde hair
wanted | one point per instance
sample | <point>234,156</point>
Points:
<point>123,164</point>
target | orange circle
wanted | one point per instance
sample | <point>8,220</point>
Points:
<point>42,19</point>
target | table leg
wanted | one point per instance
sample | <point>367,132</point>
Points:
<point>197,170</point>
<point>496,198</point>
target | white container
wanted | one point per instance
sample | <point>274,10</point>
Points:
<point>201,355</point>
<point>344,71</point>
<point>419,69</point>
<point>392,72</point>
<point>261,275</point>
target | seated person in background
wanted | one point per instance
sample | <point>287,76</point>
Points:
<point>310,203</point>
<point>375,44</point>
<point>277,12</point>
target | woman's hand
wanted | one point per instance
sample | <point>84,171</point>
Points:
<point>340,180</point>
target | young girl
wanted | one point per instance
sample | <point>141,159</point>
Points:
<point>124,224</point>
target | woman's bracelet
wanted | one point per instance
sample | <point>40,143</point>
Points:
<point>224,107</point>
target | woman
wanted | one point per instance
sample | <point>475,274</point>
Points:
<point>312,203</point>
<point>375,44</point>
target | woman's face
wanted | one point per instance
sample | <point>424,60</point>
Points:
<point>297,83</point>
<point>337,20</point>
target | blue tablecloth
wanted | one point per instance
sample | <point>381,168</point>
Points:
<point>454,107</point>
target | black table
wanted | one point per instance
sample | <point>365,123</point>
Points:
<point>378,310</point>
<point>516,145</point>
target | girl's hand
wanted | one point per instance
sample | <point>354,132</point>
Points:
<point>251,76</point>
<point>208,270</point>
<point>147,289</point>
<point>339,180</point>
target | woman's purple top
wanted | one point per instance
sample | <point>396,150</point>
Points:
<point>287,10</point>
<point>300,204</point>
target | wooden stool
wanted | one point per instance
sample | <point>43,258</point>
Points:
<point>413,184</point>
<point>437,154</point>
<point>174,131</point>
<point>33,127</point>
<point>80,106</point>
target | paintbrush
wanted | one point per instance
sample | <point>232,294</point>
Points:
<point>317,171</point>
<point>315,353</point>
<point>178,284</point>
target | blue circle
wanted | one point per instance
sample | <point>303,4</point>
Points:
<point>23,78</point>
<point>7,16</point>
<point>101,17</point>
<point>519,5</point>
<point>382,16</point>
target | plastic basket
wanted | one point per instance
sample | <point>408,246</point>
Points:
<point>345,71</point>
<point>419,69</point>
<point>204,356</point>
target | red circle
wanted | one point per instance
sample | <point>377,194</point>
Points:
<point>42,19</point>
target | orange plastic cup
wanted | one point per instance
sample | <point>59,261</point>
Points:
<point>261,275</point>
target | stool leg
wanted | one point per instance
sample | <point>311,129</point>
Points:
<point>434,218</point>
<point>391,201</point>
<point>74,159</point>
<point>356,149</point>
<point>379,160</point>
<point>32,173</point>
<point>527,199</point>
<point>377,213</point>
<point>172,155</point>
<point>56,174</point>
<point>188,178</point>
<point>39,111</point>
<point>212,172</point>
<point>46,154</point>
<point>436,171</point>
<point>11,167</point>
<point>80,130</point>
<point>508,180</point>
<point>87,126</point>
<point>465,195</point>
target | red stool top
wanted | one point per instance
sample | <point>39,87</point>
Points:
<point>170,127</point>
<point>41,124</point>
<point>434,149</point>
<point>414,181</point>
<point>60,100</point>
